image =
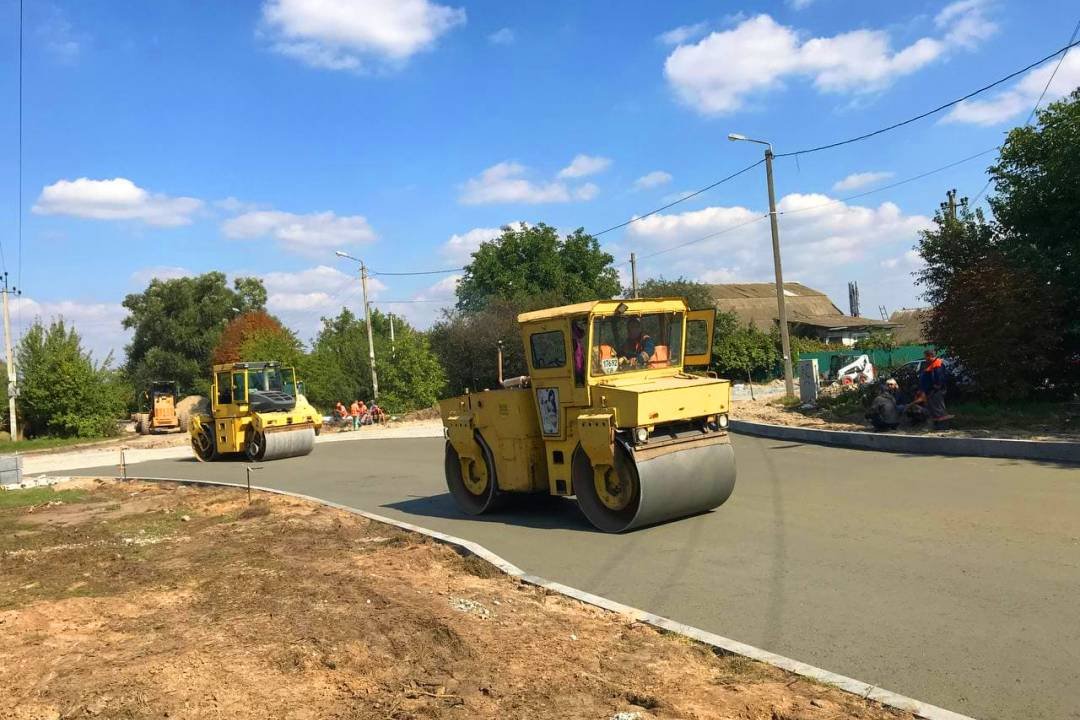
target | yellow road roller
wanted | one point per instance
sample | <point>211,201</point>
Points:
<point>607,413</point>
<point>255,408</point>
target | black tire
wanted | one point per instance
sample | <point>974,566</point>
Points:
<point>595,511</point>
<point>204,445</point>
<point>255,447</point>
<point>470,502</point>
<point>142,425</point>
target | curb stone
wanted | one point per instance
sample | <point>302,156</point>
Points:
<point>1048,450</point>
<point>719,643</point>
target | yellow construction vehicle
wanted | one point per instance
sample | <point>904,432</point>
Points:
<point>256,408</point>
<point>607,413</point>
<point>160,398</point>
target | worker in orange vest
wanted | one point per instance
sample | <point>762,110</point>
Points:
<point>354,411</point>
<point>932,383</point>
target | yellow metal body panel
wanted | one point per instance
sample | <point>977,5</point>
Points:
<point>533,432</point>
<point>506,422</point>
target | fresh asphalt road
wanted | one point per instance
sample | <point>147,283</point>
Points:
<point>955,581</point>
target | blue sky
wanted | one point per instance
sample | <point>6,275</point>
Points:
<point>258,137</point>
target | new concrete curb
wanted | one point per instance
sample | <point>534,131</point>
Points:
<point>718,642</point>
<point>1049,450</point>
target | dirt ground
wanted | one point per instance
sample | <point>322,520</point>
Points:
<point>129,600</point>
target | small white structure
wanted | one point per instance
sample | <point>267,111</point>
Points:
<point>809,382</point>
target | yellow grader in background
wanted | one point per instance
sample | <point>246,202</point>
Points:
<point>607,413</point>
<point>160,399</point>
<point>256,408</point>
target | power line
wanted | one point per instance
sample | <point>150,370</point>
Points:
<point>1031,115</point>
<point>19,209</point>
<point>680,200</point>
<point>890,186</point>
<point>938,109</point>
<point>711,235</point>
<point>400,302</point>
<point>373,273</point>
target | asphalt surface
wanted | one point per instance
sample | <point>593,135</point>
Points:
<point>952,580</point>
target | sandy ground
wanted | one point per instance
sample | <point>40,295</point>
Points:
<point>141,601</point>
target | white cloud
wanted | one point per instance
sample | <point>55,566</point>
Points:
<point>98,323</point>
<point>825,243</point>
<point>908,261</point>
<point>654,179</point>
<point>799,4</point>
<point>116,199</point>
<point>459,248</point>
<point>504,183</point>
<point>347,34</point>
<point>718,74</point>
<point>1021,97</point>
<point>160,272</point>
<point>965,23</point>
<point>585,165</point>
<point>56,34</point>
<point>313,234</point>
<point>861,180</point>
<point>588,191</point>
<point>300,298</point>
<point>679,35</point>
<point>502,36</point>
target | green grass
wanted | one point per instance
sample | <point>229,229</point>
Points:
<point>44,443</point>
<point>1024,414</point>
<point>39,496</point>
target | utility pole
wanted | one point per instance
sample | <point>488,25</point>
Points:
<point>633,273</point>
<point>370,341</point>
<point>781,306</point>
<point>12,378</point>
<point>393,344</point>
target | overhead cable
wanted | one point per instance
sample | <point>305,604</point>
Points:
<point>683,199</point>
<point>936,110</point>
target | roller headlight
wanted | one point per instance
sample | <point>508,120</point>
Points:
<point>721,420</point>
<point>641,435</point>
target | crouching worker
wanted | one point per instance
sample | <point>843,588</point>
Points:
<point>885,412</point>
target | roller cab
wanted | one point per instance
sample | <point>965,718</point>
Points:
<point>257,409</point>
<point>608,414</point>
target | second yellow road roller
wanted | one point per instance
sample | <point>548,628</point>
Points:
<point>255,408</point>
<point>608,413</point>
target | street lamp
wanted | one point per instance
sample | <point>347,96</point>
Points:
<point>367,320</point>
<point>781,306</point>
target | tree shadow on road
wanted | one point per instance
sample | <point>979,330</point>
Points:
<point>536,511</point>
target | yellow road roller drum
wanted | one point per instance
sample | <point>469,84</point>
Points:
<point>607,413</point>
<point>255,408</point>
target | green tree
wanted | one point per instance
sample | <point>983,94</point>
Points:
<point>466,345</point>
<point>532,262</point>
<point>1036,203</point>
<point>339,367</point>
<point>876,340</point>
<point>176,324</point>
<point>742,351</point>
<point>698,295</point>
<point>63,391</point>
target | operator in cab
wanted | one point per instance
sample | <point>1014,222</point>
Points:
<point>638,347</point>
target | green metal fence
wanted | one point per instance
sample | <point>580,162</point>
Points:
<point>880,358</point>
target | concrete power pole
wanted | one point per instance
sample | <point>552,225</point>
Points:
<point>633,273</point>
<point>393,343</point>
<point>781,305</point>
<point>370,340</point>
<point>12,377</point>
